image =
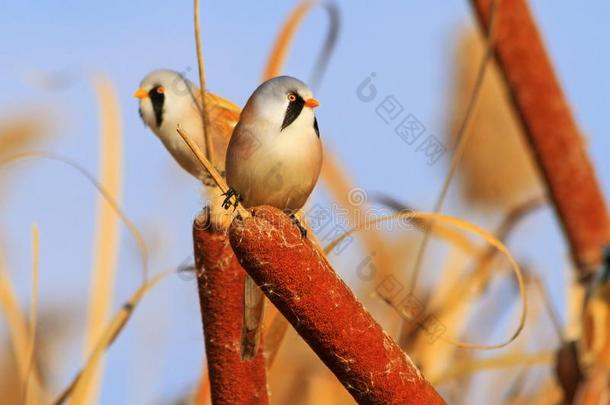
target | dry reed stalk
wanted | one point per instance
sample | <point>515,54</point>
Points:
<point>18,331</point>
<point>551,130</point>
<point>109,335</point>
<point>475,282</point>
<point>220,283</point>
<point>106,243</point>
<point>10,307</point>
<point>297,278</point>
<point>29,393</point>
<point>207,137</point>
<point>214,174</point>
<point>462,137</point>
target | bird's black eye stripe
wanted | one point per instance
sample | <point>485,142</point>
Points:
<point>294,109</point>
<point>315,126</point>
<point>158,100</point>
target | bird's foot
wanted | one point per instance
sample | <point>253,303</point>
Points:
<point>208,180</point>
<point>299,225</point>
<point>231,194</point>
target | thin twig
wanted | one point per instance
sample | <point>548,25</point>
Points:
<point>462,140</point>
<point>550,308</point>
<point>209,150</point>
<point>220,182</point>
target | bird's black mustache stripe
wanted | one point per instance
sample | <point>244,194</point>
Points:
<point>294,109</point>
<point>158,100</point>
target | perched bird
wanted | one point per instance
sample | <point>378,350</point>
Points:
<point>274,158</point>
<point>166,99</point>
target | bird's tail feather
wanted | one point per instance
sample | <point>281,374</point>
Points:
<point>254,301</point>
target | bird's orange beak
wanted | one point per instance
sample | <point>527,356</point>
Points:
<point>312,103</point>
<point>140,93</point>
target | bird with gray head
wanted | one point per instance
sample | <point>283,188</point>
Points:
<point>166,99</point>
<point>274,158</point>
<point>275,154</point>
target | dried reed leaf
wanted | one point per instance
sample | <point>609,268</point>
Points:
<point>106,242</point>
<point>475,282</point>
<point>276,60</point>
<point>22,130</point>
<point>440,231</point>
<point>203,393</point>
<point>497,170</point>
<point>462,224</point>
<point>131,227</point>
<point>18,332</point>
<point>341,189</point>
<point>274,335</point>
<point>510,360</point>
<point>433,358</point>
<point>110,333</point>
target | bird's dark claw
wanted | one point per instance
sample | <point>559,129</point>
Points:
<point>299,225</point>
<point>230,194</point>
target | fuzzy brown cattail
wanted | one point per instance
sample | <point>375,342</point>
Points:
<point>221,285</point>
<point>296,277</point>
<point>551,130</point>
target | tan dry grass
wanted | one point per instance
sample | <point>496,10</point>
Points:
<point>106,243</point>
<point>30,394</point>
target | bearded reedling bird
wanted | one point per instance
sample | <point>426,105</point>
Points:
<point>274,158</point>
<point>166,99</point>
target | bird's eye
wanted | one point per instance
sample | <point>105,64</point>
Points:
<point>292,97</point>
<point>160,89</point>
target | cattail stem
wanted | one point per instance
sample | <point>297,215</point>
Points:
<point>220,280</point>
<point>551,129</point>
<point>298,280</point>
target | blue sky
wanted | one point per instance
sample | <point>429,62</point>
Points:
<point>408,44</point>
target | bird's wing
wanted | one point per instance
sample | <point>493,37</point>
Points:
<point>254,301</point>
<point>223,115</point>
